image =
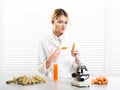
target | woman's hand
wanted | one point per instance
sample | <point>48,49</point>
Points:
<point>76,54</point>
<point>53,57</point>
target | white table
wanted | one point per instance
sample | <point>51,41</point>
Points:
<point>63,84</point>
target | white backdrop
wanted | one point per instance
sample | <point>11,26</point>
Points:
<point>93,23</point>
<point>1,28</point>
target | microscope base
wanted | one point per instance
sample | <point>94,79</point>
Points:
<point>81,84</point>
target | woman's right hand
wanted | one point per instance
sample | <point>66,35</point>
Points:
<point>53,57</point>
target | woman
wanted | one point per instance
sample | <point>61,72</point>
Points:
<point>51,51</point>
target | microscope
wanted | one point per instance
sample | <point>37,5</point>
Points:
<point>81,77</point>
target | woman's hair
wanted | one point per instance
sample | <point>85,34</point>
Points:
<point>57,13</point>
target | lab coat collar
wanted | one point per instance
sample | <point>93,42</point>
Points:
<point>53,39</point>
<point>60,38</point>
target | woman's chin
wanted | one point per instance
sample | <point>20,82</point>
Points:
<point>62,31</point>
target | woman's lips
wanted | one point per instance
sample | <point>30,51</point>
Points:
<point>62,29</point>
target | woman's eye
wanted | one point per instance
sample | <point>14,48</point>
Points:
<point>62,22</point>
<point>66,22</point>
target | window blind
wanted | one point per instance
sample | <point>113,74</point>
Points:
<point>89,31</point>
<point>26,23</point>
<point>115,9</point>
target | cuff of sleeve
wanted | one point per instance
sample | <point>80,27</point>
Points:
<point>42,68</point>
<point>46,71</point>
<point>74,65</point>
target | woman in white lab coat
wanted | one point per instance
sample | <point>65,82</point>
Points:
<point>50,48</point>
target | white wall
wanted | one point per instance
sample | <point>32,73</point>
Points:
<point>115,25</point>
<point>93,23</point>
<point>1,24</point>
<point>112,37</point>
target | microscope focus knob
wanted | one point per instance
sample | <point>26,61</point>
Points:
<point>74,74</point>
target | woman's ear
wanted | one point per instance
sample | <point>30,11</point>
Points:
<point>54,25</point>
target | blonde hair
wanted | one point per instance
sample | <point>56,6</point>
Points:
<point>57,13</point>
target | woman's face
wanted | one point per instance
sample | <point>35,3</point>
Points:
<point>61,25</point>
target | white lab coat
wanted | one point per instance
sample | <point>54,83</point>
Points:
<point>66,62</point>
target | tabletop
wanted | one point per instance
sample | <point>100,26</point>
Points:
<point>62,84</point>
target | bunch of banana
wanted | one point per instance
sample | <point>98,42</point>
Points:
<point>26,80</point>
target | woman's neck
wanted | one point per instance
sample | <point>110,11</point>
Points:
<point>57,33</point>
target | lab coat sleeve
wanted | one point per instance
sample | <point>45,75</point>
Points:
<point>74,66</point>
<point>42,60</point>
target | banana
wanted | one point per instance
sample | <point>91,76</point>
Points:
<point>26,80</point>
<point>41,79</point>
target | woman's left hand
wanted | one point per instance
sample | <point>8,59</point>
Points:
<point>75,53</point>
